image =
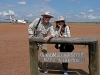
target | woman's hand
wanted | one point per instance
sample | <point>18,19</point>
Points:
<point>60,26</point>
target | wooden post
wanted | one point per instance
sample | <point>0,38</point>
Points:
<point>93,59</point>
<point>33,58</point>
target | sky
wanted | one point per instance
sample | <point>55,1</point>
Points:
<point>71,10</point>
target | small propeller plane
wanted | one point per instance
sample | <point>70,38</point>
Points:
<point>14,20</point>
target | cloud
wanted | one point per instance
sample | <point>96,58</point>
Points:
<point>0,13</point>
<point>11,5</point>
<point>76,15</point>
<point>11,12</point>
<point>41,10</point>
<point>45,2</point>
<point>82,13</point>
<point>90,10</point>
<point>29,15</point>
<point>22,3</point>
<point>84,16</point>
<point>4,13</point>
<point>91,16</point>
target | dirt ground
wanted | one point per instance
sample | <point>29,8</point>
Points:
<point>14,49</point>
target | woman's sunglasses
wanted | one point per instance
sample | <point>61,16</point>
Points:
<point>59,21</point>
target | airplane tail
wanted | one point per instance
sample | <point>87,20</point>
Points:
<point>10,18</point>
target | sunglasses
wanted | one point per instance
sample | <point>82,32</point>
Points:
<point>59,21</point>
<point>47,17</point>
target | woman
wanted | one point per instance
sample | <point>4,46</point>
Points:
<point>62,30</point>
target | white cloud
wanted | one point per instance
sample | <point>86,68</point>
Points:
<point>11,12</point>
<point>77,15</point>
<point>11,5</point>
<point>45,2</point>
<point>22,3</point>
<point>29,15</point>
<point>91,16</point>
<point>90,10</point>
<point>4,13</point>
<point>82,13</point>
<point>84,16</point>
<point>41,10</point>
<point>0,13</point>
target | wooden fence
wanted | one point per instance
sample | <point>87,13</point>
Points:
<point>92,52</point>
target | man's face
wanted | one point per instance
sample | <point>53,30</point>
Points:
<point>46,19</point>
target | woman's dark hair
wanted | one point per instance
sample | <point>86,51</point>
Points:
<point>63,28</point>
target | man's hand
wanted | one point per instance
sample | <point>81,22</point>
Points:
<point>47,38</point>
<point>30,36</point>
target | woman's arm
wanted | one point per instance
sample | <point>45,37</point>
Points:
<point>67,31</point>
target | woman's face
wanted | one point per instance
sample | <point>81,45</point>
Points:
<point>60,23</point>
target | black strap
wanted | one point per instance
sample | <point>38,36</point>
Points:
<point>38,24</point>
<point>36,27</point>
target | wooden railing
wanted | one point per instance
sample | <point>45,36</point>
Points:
<point>92,52</point>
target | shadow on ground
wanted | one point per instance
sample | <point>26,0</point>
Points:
<point>54,68</point>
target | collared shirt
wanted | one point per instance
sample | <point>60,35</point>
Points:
<point>66,33</point>
<point>42,29</point>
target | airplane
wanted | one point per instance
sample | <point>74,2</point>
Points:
<point>14,20</point>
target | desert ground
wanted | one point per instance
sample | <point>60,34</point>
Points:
<point>14,49</point>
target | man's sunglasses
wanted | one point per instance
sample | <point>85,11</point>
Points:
<point>47,17</point>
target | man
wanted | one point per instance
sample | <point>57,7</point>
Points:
<point>44,26</point>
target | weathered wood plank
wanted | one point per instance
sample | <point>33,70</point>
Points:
<point>82,41</point>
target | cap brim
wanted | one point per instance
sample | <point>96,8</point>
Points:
<point>59,20</point>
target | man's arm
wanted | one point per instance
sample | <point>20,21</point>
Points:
<point>31,28</point>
